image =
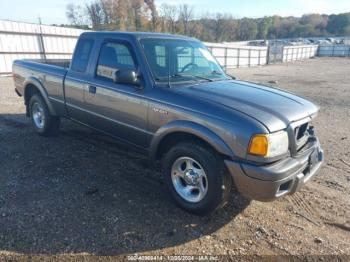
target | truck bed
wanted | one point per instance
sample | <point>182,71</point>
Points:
<point>55,62</point>
<point>49,74</point>
<point>65,63</point>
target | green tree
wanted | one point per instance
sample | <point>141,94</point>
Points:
<point>248,29</point>
<point>304,30</point>
<point>338,24</point>
<point>317,22</point>
<point>264,26</point>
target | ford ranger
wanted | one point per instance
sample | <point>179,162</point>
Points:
<point>168,96</point>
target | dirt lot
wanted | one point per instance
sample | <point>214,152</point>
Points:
<point>81,193</point>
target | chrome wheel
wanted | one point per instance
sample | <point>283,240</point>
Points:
<point>38,115</point>
<point>189,179</point>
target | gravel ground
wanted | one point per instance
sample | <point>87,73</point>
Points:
<point>82,194</point>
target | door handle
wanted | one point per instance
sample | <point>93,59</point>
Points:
<point>92,89</point>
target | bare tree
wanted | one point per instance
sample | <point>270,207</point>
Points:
<point>128,15</point>
<point>136,8</point>
<point>96,14</point>
<point>154,15</point>
<point>186,15</point>
<point>122,19</point>
<point>76,15</point>
<point>115,14</point>
<point>108,9</point>
<point>170,14</point>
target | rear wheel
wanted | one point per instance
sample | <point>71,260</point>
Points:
<point>42,121</point>
<point>196,178</point>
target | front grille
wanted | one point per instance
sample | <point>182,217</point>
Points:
<point>301,135</point>
<point>300,131</point>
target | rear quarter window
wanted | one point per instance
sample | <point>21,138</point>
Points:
<point>82,55</point>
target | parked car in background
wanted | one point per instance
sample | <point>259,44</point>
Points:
<point>323,42</point>
<point>258,43</point>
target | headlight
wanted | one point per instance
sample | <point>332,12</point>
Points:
<point>269,145</point>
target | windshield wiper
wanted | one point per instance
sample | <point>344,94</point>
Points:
<point>214,72</point>
<point>195,76</point>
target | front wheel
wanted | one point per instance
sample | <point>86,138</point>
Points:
<point>42,121</point>
<point>196,178</point>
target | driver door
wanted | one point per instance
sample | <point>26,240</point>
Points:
<point>114,108</point>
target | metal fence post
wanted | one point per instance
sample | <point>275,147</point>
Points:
<point>249,55</point>
<point>33,43</point>
<point>302,53</point>
<point>288,51</point>
<point>225,60</point>
<point>259,57</point>
<point>238,56</point>
<point>298,53</point>
<point>285,52</point>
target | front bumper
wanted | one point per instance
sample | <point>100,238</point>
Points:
<point>269,182</point>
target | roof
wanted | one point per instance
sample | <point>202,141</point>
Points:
<point>139,35</point>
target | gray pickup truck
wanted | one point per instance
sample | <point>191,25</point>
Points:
<point>168,96</point>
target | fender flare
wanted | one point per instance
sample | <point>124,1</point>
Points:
<point>35,82</point>
<point>188,127</point>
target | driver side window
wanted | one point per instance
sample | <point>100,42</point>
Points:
<point>113,57</point>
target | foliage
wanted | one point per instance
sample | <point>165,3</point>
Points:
<point>339,24</point>
<point>143,15</point>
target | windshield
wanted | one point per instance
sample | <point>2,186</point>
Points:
<point>181,60</point>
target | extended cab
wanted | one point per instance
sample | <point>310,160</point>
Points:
<point>168,96</point>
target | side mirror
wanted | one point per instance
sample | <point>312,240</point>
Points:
<point>127,76</point>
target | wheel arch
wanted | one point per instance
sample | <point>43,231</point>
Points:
<point>33,86</point>
<point>180,130</point>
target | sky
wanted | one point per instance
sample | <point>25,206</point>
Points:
<point>53,11</point>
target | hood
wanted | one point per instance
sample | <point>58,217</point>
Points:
<point>272,107</point>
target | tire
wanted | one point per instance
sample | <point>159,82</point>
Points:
<point>42,121</point>
<point>182,179</point>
